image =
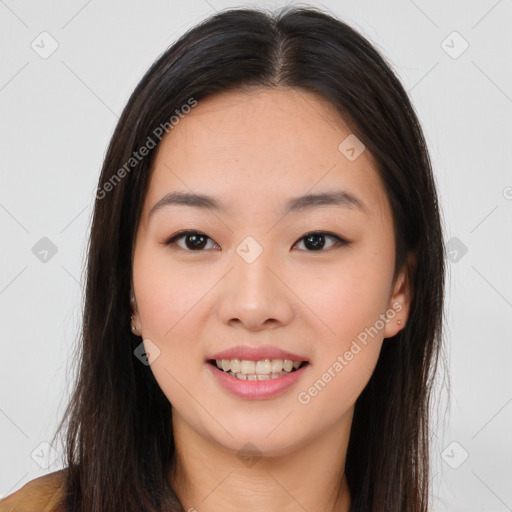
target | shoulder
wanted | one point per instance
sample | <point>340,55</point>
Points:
<point>42,494</point>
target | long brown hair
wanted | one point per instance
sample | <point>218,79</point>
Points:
<point>119,439</point>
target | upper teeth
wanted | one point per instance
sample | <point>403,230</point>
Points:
<point>264,367</point>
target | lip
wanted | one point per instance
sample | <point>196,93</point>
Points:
<point>256,389</point>
<point>257,354</point>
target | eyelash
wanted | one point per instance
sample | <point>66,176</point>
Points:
<point>182,234</point>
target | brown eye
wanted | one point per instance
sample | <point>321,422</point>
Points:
<point>194,240</point>
<point>313,242</point>
<point>317,241</point>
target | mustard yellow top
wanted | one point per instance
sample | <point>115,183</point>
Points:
<point>42,494</point>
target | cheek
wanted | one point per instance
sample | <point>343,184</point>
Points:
<point>349,296</point>
<point>173,304</point>
<point>337,382</point>
<point>166,293</point>
<point>168,300</point>
<point>347,340</point>
<point>349,302</point>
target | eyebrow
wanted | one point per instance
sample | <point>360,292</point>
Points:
<point>340,198</point>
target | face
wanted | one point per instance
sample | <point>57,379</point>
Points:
<point>312,278</point>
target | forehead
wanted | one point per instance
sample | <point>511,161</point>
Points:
<point>260,145</point>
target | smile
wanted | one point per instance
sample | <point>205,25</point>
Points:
<point>257,370</point>
<point>256,380</point>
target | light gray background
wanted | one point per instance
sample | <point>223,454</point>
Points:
<point>58,114</point>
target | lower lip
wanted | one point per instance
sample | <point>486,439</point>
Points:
<point>256,389</point>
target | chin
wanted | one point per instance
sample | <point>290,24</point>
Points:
<point>257,442</point>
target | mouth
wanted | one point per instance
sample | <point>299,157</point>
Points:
<point>260,370</point>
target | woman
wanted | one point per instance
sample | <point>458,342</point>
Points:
<point>265,284</point>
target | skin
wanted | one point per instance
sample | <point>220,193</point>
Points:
<point>253,151</point>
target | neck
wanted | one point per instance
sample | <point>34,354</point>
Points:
<point>209,477</point>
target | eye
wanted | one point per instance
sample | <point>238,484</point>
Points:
<point>316,240</point>
<point>194,240</point>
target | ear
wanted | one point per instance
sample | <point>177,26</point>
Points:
<point>400,299</point>
<point>135,319</point>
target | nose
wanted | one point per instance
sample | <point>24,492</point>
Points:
<point>256,295</point>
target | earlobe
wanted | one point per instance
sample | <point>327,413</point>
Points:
<point>135,322</point>
<point>400,300</point>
